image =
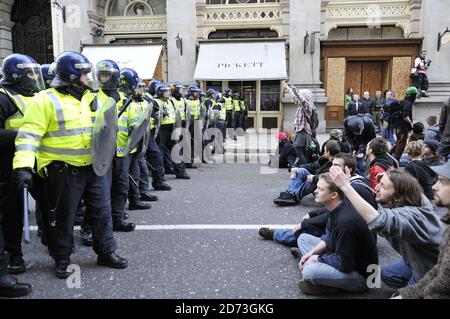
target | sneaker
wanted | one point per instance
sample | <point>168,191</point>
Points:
<point>266,233</point>
<point>285,199</point>
<point>310,289</point>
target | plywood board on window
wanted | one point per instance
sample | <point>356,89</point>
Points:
<point>401,69</point>
<point>336,81</point>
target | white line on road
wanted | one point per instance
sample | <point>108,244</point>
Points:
<point>198,227</point>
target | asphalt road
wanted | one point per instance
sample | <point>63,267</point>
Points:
<point>196,263</point>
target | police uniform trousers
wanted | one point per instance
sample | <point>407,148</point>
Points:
<point>65,186</point>
<point>135,173</point>
<point>230,124</point>
<point>166,144</point>
<point>155,158</point>
<point>4,260</point>
<point>196,133</point>
<point>119,186</point>
<point>144,175</point>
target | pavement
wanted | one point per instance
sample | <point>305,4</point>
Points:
<point>200,240</point>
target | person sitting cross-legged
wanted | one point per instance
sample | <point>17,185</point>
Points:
<point>340,259</point>
<point>314,222</point>
<point>305,177</point>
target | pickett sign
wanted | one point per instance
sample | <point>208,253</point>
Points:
<point>238,65</point>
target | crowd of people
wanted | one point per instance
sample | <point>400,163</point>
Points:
<point>367,187</point>
<point>84,140</point>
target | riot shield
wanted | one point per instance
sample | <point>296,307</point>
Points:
<point>104,137</point>
<point>139,130</point>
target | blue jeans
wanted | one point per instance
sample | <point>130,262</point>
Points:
<point>318,273</point>
<point>397,275</point>
<point>389,134</point>
<point>285,237</point>
<point>299,187</point>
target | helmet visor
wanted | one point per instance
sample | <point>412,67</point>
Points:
<point>32,78</point>
<point>105,78</point>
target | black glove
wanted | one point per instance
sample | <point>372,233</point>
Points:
<point>23,177</point>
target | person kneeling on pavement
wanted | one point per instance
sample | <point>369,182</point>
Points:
<point>304,178</point>
<point>314,222</point>
<point>405,218</point>
<point>339,259</point>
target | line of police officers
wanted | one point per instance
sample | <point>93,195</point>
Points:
<point>74,141</point>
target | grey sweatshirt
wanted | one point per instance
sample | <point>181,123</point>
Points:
<point>414,232</point>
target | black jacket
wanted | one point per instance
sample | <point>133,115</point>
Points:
<point>351,110</point>
<point>321,166</point>
<point>369,105</point>
<point>287,154</point>
<point>358,143</point>
<point>424,174</point>
<point>444,129</point>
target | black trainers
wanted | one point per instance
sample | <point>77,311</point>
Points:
<point>183,176</point>
<point>285,199</point>
<point>266,233</point>
<point>147,197</point>
<point>16,266</point>
<point>123,227</point>
<point>190,166</point>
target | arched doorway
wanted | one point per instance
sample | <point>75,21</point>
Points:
<point>32,30</point>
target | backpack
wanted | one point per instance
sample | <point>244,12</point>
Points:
<point>313,121</point>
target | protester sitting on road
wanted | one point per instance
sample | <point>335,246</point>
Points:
<point>420,169</point>
<point>432,132</point>
<point>340,258</point>
<point>305,177</point>
<point>285,151</point>
<point>405,218</point>
<point>436,282</point>
<point>430,153</point>
<point>418,134</point>
<point>380,160</point>
<point>314,222</point>
<point>338,136</point>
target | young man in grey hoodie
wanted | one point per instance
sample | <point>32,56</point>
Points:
<point>405,218</point>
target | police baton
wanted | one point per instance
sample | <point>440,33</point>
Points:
<point>133,181</point>
<point>26,217</point>
<point>124,108</point>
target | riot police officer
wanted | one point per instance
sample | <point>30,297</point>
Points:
<point>48,73</point>
<point>21,79</point>
<point>229,106</point>
<point>107,74</point>
<point>168,119</point>
<point>57,131</point>
<point>154,156</point>
<point>193,121</point>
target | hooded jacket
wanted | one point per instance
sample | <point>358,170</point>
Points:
<point>379,165</point>
<point>436,283</point>
<point>414,232</point>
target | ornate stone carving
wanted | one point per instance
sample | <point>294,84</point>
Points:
<point>119,25</point>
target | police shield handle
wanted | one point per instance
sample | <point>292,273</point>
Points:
<point>125,106</point>
<point>26,217</point>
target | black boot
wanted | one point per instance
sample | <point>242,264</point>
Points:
<point>11,288</point>
<point>147,197</point>
<point>86,237</point>
<point>161,187</point>
<point>16,266</point>
<point>183,176</point>
<point>61,268</point>
<point>123,227</point>
<point>112,260</point>
<point>190,166</point>
<point>138,206</point>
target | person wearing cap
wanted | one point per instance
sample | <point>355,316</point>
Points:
<point>338,136</point>
<point>435,284</point>
<point>359,131</point>
<point>430,153</point>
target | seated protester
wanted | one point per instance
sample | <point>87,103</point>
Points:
<point>432,132</point>
<point>340,258</point>
<point>430,153</point>
<point>436,282</point>
<point>304,178</point>
<point>380,160</point>
<point>285,150</point>
<point>359,131</point>
<point>420,169</point>
<point>405,218</point>
<point>418,134</point>
<point>338,136</point>
<point>314,222</point>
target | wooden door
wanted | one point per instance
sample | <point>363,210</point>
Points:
<point>365,76</point>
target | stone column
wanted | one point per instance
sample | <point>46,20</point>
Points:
<point>5,29</point>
